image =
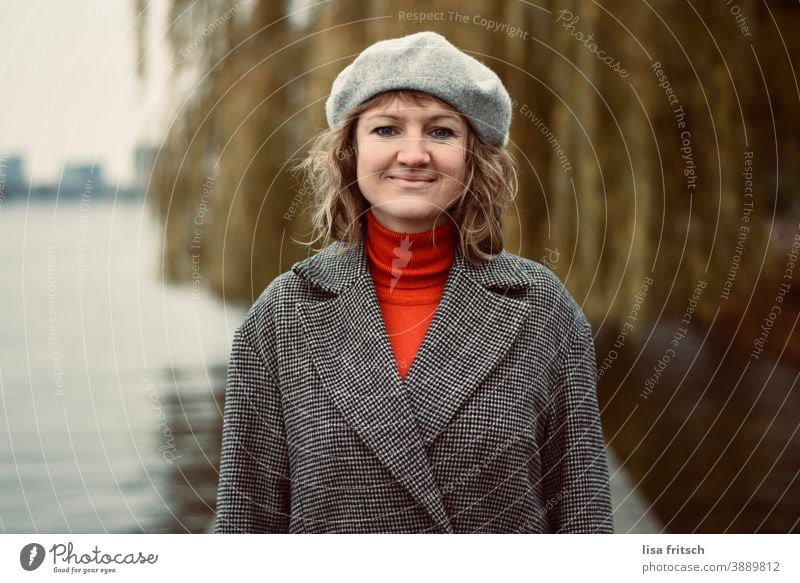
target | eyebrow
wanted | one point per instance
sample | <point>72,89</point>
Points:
<point>449,116</point>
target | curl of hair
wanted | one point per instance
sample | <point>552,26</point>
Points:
<point>338,207</point>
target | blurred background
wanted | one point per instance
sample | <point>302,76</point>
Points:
<point>145,202</point>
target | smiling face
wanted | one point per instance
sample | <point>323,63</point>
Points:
<point>411,161</point>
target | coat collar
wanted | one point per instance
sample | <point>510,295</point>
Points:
<point>334,273</point>
<point>474,325</point>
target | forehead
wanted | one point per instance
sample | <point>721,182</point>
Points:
<point>407,106</point>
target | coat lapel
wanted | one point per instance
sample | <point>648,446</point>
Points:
<point>472,329</point>
<point>470,332</point>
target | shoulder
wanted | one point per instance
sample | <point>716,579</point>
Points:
<point>274,304</point>
<point>538,285</point>
<point>314,277</point>
<point>508,270</point>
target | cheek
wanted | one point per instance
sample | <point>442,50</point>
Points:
<point>369,161</point>
<point>362,166</point>
<point>361,149</point>
<point>456,166</point>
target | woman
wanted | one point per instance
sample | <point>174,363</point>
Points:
<point>413,376</point>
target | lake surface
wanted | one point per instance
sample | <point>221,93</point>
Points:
<point>111,382</point>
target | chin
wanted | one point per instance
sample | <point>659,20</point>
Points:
<point>408,210</point>
<point>411,202</point>
<point>412,217</point>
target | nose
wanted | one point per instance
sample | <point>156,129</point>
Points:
<point>413,151</point>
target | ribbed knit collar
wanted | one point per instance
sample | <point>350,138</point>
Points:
<point>409,261</point>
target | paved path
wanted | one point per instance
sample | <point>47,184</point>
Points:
<point>632,513</point>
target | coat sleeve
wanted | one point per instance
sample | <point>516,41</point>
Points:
<point>575,483</point>
<point>253,492</point>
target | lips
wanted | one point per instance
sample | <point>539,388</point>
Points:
<point>410,181</point>
<point>412,178</point>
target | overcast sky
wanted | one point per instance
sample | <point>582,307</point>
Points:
<point>69,93</point>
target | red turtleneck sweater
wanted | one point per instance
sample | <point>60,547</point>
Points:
<point>409,271</point>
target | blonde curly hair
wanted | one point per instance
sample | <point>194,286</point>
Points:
<point>338,207</point>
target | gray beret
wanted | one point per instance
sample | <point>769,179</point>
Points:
<point>425,61</point>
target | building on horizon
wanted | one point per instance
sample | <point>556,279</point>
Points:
<point>79,179</point>
<point>12,176</point>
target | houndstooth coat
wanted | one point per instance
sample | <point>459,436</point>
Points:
<point>495,428</point>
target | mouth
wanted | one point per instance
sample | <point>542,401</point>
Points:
<point>408,182</point>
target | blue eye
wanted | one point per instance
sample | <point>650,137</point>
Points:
<point>384,131</point>
<point>442,133</point>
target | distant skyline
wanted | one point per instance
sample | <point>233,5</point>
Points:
<point>70,95</point>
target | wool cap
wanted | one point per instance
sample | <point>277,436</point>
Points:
<point>425,61</point>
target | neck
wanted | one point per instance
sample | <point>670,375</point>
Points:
<point>409,260</point>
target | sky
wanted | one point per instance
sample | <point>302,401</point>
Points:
<point>69,92</point>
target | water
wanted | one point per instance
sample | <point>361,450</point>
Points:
<point>110,381</point>
<point>715,447</point>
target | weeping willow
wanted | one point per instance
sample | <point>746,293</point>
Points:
<point>657,145</point>
<point>631,124</point>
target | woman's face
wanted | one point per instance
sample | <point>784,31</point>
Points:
<point>411,161</point>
